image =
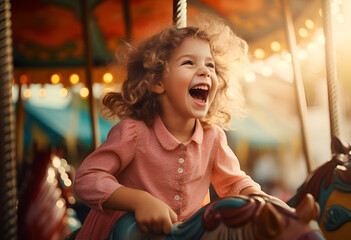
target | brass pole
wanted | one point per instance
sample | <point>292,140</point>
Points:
<point>88,70</point>
<point>298,83</point>
<point>127,20</point>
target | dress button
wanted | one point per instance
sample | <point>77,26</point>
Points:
<point>180,170</point>
<point>176,197</point>
<point>181,160</point>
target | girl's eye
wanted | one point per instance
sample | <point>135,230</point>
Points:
<point>210,65</point>
<point>187,62</point>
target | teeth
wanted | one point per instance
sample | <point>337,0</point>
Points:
<point>202,87</point>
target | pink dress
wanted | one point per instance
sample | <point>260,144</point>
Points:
<point>151,159</point>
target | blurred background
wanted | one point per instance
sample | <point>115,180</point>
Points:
<point>57,55</point>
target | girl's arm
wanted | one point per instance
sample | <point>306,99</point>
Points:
<point>151,214</point>
<point>227,177</point>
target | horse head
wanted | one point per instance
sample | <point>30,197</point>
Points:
<point>330,185</point>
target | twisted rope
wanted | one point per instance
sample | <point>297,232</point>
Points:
<point>8,189</point>
<point>330,59</point>
<point>179,13</point>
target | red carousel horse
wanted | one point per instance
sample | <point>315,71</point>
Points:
<point>45,198</point>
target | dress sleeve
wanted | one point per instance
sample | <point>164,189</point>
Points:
<point>227,177</point>
<point>95,180</point>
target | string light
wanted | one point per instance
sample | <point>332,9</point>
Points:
<point>72,201</point>
<point>23,79</point>
<point>107,77</point>
<point>56,161</point>
<point>84,92</point>
<point>55,78</point>
<point>67,182</point>
<point>309,24</point>
<point>74,78</point>
<point>63,92</point>
<point>42,92</point>
<point>303,32</point>
<point>50,179</point>
<point>61,170</point>
<point>250,77</point>
<point>64,162</point>
<point>27,93</point>
<point>275,46</point>
<point>51,172</point>
<point>259,53</point>
<point>60,203</point>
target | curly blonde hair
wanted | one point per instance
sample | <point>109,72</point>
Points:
<point>146,62</point>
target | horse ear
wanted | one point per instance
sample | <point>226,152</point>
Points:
<point>307,209</point>
<point>269,221</point>
<point>338,146</point>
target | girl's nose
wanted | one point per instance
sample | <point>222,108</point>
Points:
<point>204,71</point>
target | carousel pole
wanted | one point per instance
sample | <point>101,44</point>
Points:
<point>88,71</point>
<point>8,183</point>
<point>127,20</point>
<point>298,83</point>
<point>179,13</point>
<point>330,60</point>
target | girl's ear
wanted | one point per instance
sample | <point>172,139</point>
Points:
<point>158,88</point>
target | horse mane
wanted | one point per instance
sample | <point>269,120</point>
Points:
<point>342,178</point>
<point>237,217</point>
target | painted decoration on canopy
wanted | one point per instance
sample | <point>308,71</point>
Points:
<point>330,185</point>
<point>255,217</point>
<point>49,33</point>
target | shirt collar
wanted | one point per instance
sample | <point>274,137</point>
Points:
<point>167,140</point>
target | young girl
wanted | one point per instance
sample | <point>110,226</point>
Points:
<point>159,160</point>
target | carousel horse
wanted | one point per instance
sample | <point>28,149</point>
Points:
<point>330,185</point>
<point>45,198</point>
<point>255,217</point>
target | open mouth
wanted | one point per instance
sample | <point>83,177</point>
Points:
<point>199,93</point>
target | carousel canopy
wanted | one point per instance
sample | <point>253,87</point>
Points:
<point>48,34</point>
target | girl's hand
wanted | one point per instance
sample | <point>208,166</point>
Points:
<point>252,191</point>
<point>153,215</point>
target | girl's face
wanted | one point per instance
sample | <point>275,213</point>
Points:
<point>190,82</point>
